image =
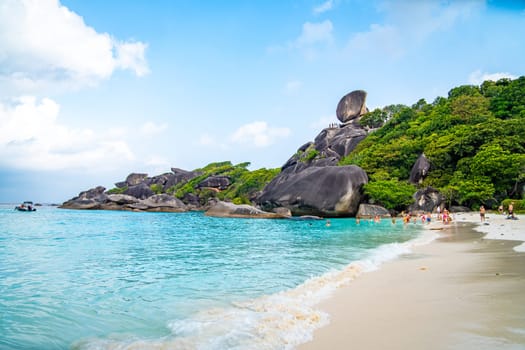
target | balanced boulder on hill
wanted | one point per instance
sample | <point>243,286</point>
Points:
<point>351,106</point>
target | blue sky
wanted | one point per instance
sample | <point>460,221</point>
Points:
<point>91,91</point>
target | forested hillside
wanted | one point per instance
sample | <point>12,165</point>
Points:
<point>474,139</point>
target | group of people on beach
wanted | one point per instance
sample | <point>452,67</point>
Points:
<point>425,217</point>
<point>510,212</point>
<point>408,217</point>
<point>443,215</point>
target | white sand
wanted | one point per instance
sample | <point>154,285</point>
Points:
<point>497,226</point>
<point>461,291</point>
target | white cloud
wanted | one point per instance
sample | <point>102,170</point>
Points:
<point>378,40</point>
<point>325,6</point>
<point>258,134</point>
<point>130,55</point>
<point>31,137</point>
<point>315,33</point>
<point>314,36</point>
<point>408,23</point>
<point>419,19</point>
<point>478,77</point>
<point>152,129</point>
<point>43,42</point>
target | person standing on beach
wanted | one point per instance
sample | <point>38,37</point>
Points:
<point>445,216</point>
<point>511,210</point>
<point>482,213</point>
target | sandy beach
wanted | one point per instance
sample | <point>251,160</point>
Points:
<point>464,290</point>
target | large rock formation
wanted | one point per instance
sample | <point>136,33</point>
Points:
<point>121,199</point>
<point>371,210</point>
<point>230,210</point>
<point>351,106</point>
<point>165,180</point>
<point>140,191</point>
<point>180,175</point>
<point>160,202</point>
<point>95,198</point>
<point>328,148</point>
<point>335,142</point>
<point>419,170</point>
<point>135,179</point>
<point>90,199</point>
<point>427,200</point>
<point>330,191</point>
<point>217,182</point>
<point>310,182</point>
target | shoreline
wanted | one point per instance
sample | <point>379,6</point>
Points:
<point>463,290</point>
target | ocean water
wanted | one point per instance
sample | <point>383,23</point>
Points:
<point>124,280</point>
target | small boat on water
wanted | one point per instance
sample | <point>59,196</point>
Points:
<point>26,206</point>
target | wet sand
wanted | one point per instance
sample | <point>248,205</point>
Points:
<point>459,292</point>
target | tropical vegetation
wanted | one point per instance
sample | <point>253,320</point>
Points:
<point>245,184</point>
<point>474,139</point>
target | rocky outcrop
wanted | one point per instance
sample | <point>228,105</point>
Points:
<point>371,210</point>
<point>160,202</point>
<point>159,180</point>
<point>175,177</point>
<point>282,211</point>
<point>427,200</point>
<point>140,191</point>
<point>351,106</point>
<point>137,193</point>
<point>330,191</point>
<point>230,210</point>
<point>339,142</point>
<point>191,200</point>
<point>96,198</point>
<point>218,182</point>
<point>121,199</point>
<point>90,199</point>
<point>335,142</point>
<point>165,181</point>
<point>135,179</point>
<point>184,175</point>
<point>311,182</point>
<point>419,170</point>
<point>328,148</point>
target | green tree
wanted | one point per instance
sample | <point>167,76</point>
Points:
<point>464,90</point>
<point>472,190</point>
<point>391,194</point>
<point>471,108</point>
<point>510,102</point>
<point>156,188</point>
<point>504,170</point>
<point>374,119</point>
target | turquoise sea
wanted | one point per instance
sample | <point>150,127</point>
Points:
<point>125,280</point>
